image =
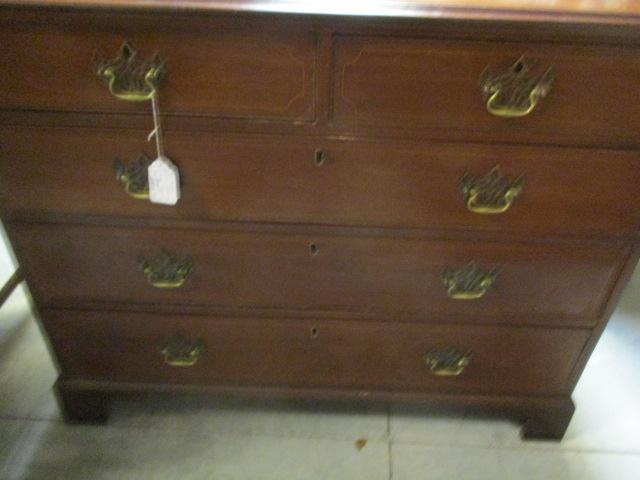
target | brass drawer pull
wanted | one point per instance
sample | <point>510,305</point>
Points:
<point>180,352</point>
<point>448,362</point>
<point>133,177</point>
<point>516,91</point>
<point>468,282</point>
<point>165,270</point>
<point>491,194</point>
<point>130,77</point>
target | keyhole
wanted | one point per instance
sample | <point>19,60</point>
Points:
<point>519,66</point>
<point>127,51</point>
<point>320,158</point>
<point>313,249</point>
<point>314,332</point>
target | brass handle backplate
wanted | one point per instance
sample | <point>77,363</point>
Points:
<point>165,270</point>
<point>180,352</point>
<point>468,282</point>
<point>448,362</point>
<point>492,193</point>
<point>130,77</point>
<point>516,91</point>
<point>133,177</point>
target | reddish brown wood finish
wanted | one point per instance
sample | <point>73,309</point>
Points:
<point>384,211</point>
<point>237,72</point>
<point>595,12</point>
<point>548,422</point>
<point>7,289</point>
<point>543,415</point>
<point>81,406</point>
<point>392,277</point>
<point>435,85</point>
<point>313,353</point>
<point>605,31</point>
<point>362,183</point>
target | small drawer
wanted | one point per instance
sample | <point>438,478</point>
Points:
<point>445,88</point>
<point>241,71</point>
<point>293,180</point>
<point>427,280</point>
<point>147,348</point>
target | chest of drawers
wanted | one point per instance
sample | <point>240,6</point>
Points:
<point>432,203</point>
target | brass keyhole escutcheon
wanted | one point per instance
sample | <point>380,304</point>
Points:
<point>313,249</point>
<point>518,66</point>
<point>313,332</point>
<point>320,158</point>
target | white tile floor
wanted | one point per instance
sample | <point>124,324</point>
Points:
<point>204,438</point>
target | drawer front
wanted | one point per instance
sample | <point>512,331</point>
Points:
<point>435,87</point>
<point>318,273</point>
<point>229,71</point>
<point>285,179</point>
<point>312,353</point>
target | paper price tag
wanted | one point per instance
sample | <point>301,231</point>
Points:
<point>164,182</point>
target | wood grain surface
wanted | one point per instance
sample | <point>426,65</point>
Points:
<point>322,147</point>
<point>236,72</point>
<point>549,11</point>
<point>436,85</point>
<point>392,277</point>
<point>312,353</point>
<point>358,183</point>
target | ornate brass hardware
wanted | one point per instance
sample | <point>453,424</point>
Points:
<point>180,352</point>
<point>129,77</point>
<point>468,282</point>
<point>492,193</point>
<point>517,91</point>
<point>133,177</point>
<point>165,271</point>
<point>448,362</point>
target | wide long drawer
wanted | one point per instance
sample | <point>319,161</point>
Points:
<point>215,68</point>
<point>485,90</point>
<point>428,279</point>
<point>149,348</point>
<point>288,179</point>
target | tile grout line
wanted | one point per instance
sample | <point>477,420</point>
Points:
<point>29,419</point>
<point>20,452</point>
<point>389,455</point>
<point>534,448</point>
<point>540,448</point>
<point>183,430</point>
<point>389,449</point>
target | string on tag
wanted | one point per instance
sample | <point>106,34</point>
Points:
<point>162,174</point>
<point>157,130</point>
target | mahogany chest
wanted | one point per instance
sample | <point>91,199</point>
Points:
<point>410,202</point>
